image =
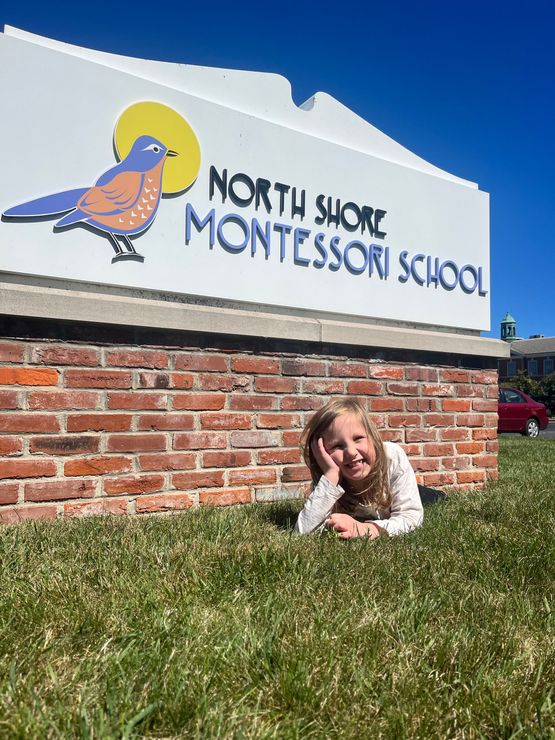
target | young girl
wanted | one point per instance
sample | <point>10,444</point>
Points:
<point>363,487</point>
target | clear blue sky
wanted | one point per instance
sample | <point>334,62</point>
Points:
<point>467,84</point>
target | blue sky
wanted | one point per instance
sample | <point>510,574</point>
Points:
<point>468,85</point>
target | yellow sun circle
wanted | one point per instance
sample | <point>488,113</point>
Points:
<point>172,130</point>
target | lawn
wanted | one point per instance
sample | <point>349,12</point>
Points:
<point>220,623</point>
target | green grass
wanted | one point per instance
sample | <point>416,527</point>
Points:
<point>221,624</point>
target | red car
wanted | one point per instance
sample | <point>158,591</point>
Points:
<point>520,413</point>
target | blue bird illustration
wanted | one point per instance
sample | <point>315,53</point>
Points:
<point>122,203</point>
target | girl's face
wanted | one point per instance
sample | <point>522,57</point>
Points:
<point>347,443</point>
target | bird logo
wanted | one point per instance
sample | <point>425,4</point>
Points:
<point>124,200</point>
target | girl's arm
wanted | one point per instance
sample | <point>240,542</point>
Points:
<point>318,506</point>
<point>406,511</point>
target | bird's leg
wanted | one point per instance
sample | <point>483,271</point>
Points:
<point>115,243</point>
<point>131,254</point>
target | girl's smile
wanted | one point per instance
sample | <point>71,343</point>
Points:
<point>347,443</point>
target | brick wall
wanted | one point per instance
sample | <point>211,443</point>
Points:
<point>89,428</point>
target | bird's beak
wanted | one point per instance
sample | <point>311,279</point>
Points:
<point>171,153</point>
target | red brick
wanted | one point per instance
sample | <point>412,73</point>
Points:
<point>484,434</point>
<point>28,423</point>
<point>391,435</point>
<point>99,422</point>
<point>470,391</point>
<point>421,404</point>
<point>386,404</point>
<point>163,502</point>
<point>295,473</point>
<point>252,403</point>
<point>28,376</point>
<point>365,387</point>
<point>254,439</point>
<point>226,421</point>
<point>168,461</point>
<point>64,355</point>
<point>325,386</point>
<point>133,485</point>
<point>470,448</point>
<point>275,385</point>
<point>278,421</point>
<point>421,435</point>
<point>303,367</point>
<point>42,400</point>
<point>349,369</point>
<point>470,420</point>
<point>251,476</point>
<point>428,374</point>
<point>412,449</point>
<point>64,445</point>
<point>97,465</point>
<point>455,404</point>
<point>424,463</point>
<point>279,457</point>
<point>8,493</point>
<point>225,497</point>
<point>27,468</point>
<point>165,422</point>
<point>98,379</point>
<point>153,380</point>
<point>199,401</point>
<point>390,372</point>
<point>100,507</point>
<point>136,442</point>
<point>9,399</point>
<point>439,420</point>
<point>302,403</point>
<point>454,376</point>
<point>137,400</point>
<point>436,389</point>
<point>225,383</point>
<point>226,459</point>
<point>487,377</point>
<point>471,476</point>
<point>291,439</point>
<point>259,365</point>
<point>454,434</point>
<point>10,445</point>
<point>491,391</point>
<point>439,479</point>
<point>201,362</point>
<point>492,446</point>
<point>198,479</point>
<point>181,381</point>
<point>456,463</point>
<point>156,359</point>
<point>404,420</point>
<point>26,513</point>
<point>434,449</point>
<point>200,441</point>
<point>484,404</point>
<point>485,461</point>
<point>56,490</point>
<point>492,474</point>
<point>11,352</point>
<point>403,389</point>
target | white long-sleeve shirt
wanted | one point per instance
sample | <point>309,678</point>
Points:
<point>404,514</point>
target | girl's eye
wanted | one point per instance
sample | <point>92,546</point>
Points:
<point>358,439</point>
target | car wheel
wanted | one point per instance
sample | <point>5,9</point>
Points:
<point>532,428</point>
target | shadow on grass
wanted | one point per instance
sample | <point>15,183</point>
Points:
<point>281,515</point>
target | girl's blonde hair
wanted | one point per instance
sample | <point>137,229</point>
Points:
<point>376,490</point>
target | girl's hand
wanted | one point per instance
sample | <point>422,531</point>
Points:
<point>347,527</point>
<point>328,467</point>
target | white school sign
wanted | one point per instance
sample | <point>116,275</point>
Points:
<point>212,184</point>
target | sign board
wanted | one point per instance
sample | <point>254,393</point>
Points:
<point>212,183</point>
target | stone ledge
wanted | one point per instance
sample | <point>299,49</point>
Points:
<point>76,305</point>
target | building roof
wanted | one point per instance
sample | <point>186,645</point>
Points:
<point>508,319</point>
<point>540,346</point>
